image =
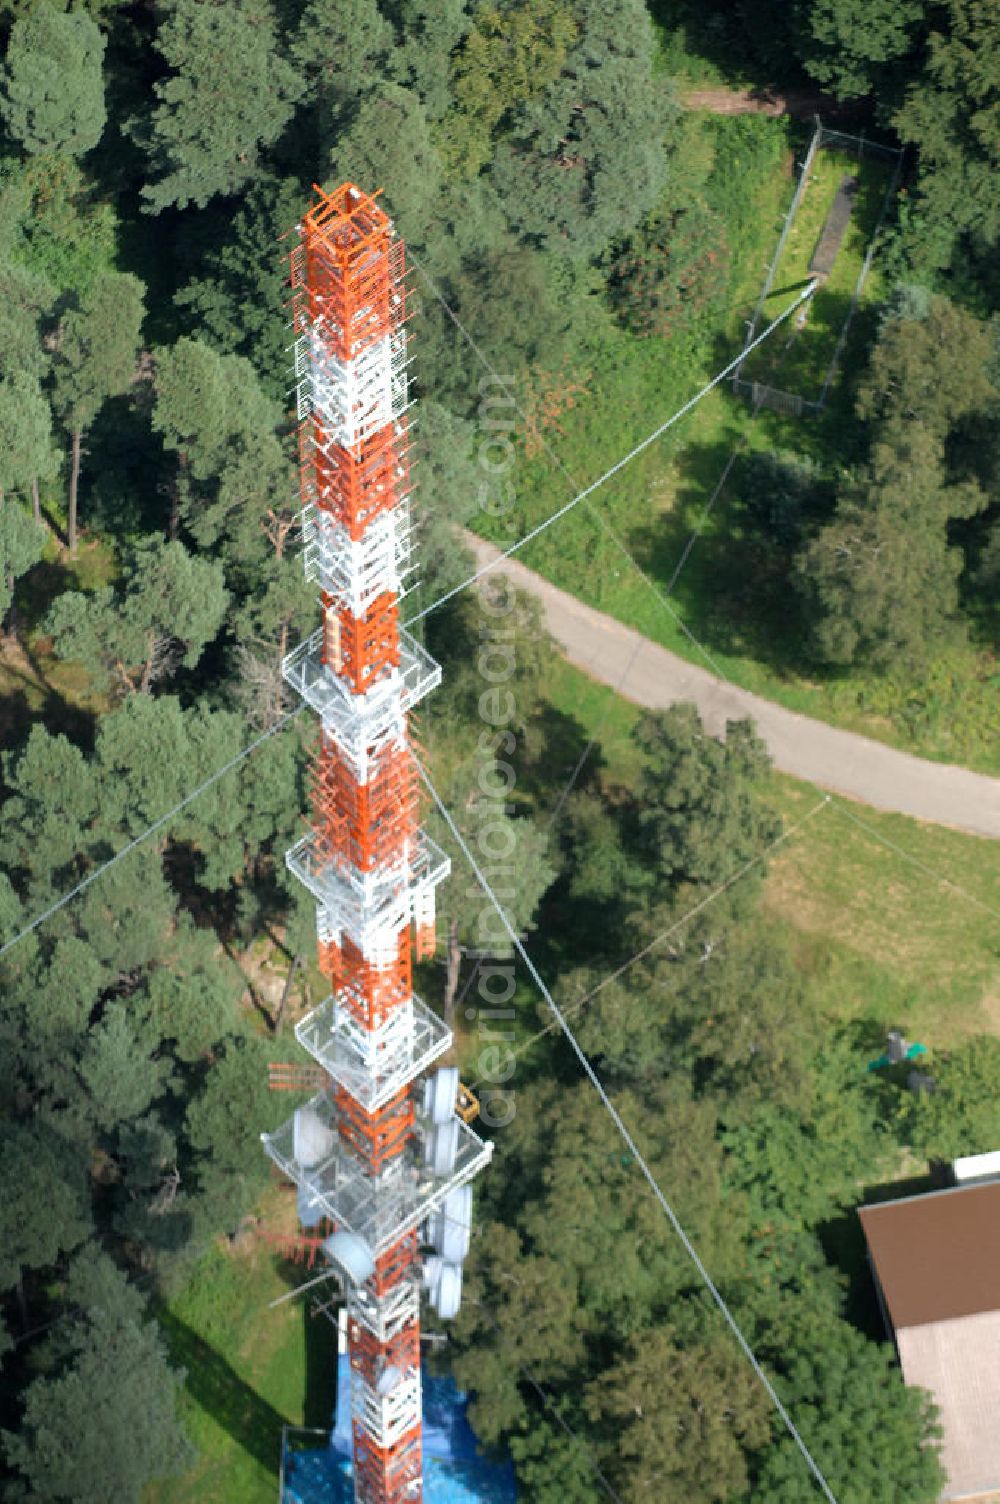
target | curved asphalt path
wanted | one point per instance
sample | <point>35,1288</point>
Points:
<point>841,761</point>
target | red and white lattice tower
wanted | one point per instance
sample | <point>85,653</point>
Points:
<point>387,1166</point>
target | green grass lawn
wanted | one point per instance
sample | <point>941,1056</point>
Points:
<point>798,361</point>
<point>902,940</point>
<point>250,1370</point>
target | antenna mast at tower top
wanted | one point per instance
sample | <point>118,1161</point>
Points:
<point>386,1167</point>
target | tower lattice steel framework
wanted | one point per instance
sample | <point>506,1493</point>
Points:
<point>387,1166</point>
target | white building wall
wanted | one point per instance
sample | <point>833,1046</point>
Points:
<point>958,1361</point>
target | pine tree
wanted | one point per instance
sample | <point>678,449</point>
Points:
<point>101,1423</point>
<point>388,144</point>
<point>162,611</point>
<point>343,49</point>
<point>27,454</point>
<point>52,89</point>
<point>230,95</point>
<point>861,49</point>
<point>95,360</point>
<point>237,299</point>
<point>582,164</point>
<point>949,114</point>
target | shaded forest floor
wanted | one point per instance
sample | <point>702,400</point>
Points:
<point>800,104</point>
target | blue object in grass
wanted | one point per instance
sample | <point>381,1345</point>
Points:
<point>913,1053</point>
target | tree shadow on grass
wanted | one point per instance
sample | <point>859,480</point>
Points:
<point>557,742</point>
<point>16,717</point>
<point>213,1384</point>
<point>320,1336</point>
<point>730,583</point>
<point>27,697</point>
<point>843,1242</point>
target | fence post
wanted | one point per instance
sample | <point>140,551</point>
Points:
<point>859,285</point>
<point>800,188</point>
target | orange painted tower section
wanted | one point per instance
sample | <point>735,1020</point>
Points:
<point>381,1155</point>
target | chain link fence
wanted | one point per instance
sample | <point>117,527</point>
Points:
<point>793,403</point>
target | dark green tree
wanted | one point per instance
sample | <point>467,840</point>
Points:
<point>192,992</point>
<point>986,576</point>
<point>230,1167</point>
<point>95,360</point>
<point>103,1418</point>
<point>961,1114</point>
<point>120,1069</point>
<point>712,999</point>
<point>583,164</point>
<point>949,115</point>
<point>874,1435</point>
<point>237,299</point>
<point>388,144</point>
<point>237,492</point>
<point>229,96</point>
<point>855,49</point>
<point>196,394</point>
<point>52,89</point>
<point>22,540</point>
<point>51,804</point>
<point>679,1417</point>
<point>511,55</point>
<point>782,494</point>
<point>799,1161</point>
<point>430,32</point>
<point>587,1269</point>
<point>700,811</point>
<point>880,580</point>
<point>446,498</point>
<point>470,922</point>
<point>929,366</point>
<point>26,300</point>
<point>57,230</point>
<point>343,49</point>
<point>27,454</point>
<point>675,267</point>
<point>46,1206</point>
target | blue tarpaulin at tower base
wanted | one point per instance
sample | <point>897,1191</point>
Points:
<point>453,1472</point>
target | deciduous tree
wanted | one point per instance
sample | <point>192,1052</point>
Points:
<point>700,809</point>
<point>511,55</point>
<point>679,1416</point>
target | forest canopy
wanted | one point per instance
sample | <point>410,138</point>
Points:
<point>564,210</point>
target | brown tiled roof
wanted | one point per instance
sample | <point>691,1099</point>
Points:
<point>937,1256</point>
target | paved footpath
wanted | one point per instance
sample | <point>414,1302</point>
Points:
<point>838,760</point>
